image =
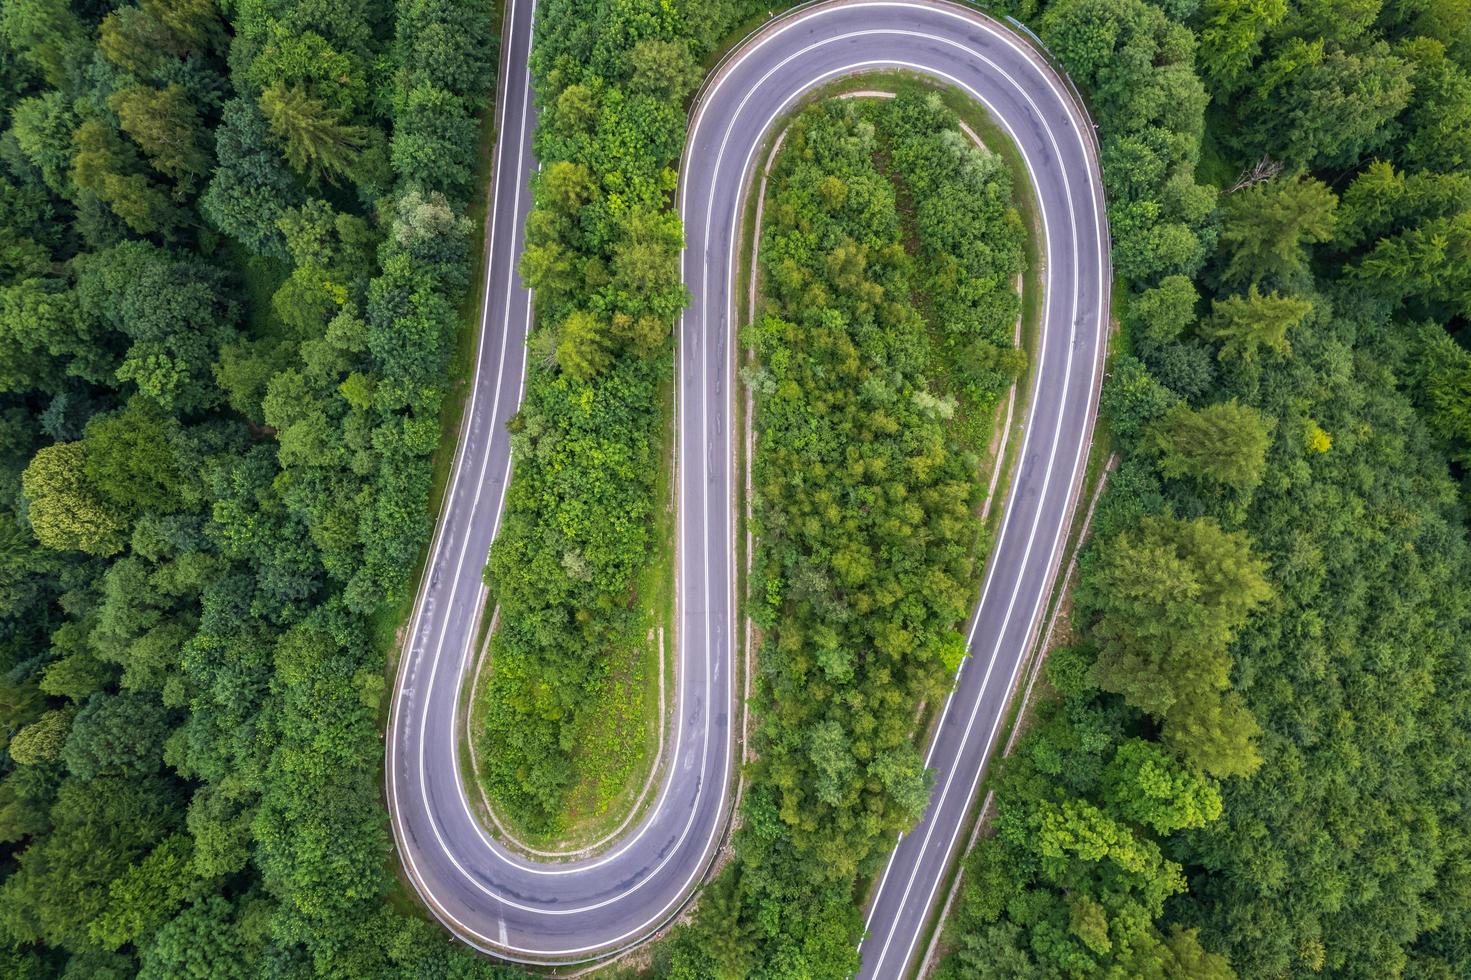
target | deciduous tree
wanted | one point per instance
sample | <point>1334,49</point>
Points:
<point>66,509</point>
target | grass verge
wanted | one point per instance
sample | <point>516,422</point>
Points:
<point>1020,710</point>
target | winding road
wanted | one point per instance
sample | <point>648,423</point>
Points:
<point>523,909</point>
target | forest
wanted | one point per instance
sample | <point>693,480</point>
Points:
<point>235,243</point>
<point>1251,760</point>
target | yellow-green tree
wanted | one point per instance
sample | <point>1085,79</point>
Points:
<point>1219,445</point>
<point>315,141</point>
<point>1244,325</point>
<point>164,123</point>
<point>66,510</point>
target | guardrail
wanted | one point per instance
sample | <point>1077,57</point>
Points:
<point>1052,62</point>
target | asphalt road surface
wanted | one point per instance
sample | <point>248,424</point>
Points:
<point>566,911</point>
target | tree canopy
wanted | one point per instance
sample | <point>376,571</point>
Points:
<point>1264,678</point>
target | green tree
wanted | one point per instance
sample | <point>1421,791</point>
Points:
<point>1170,596</point>
<point>66,509</point>
<point>1265,227</point>
<point>727,942</point>
<point>582,346</point>
<point>172,306</point>
<point>1231,37</point>
<point>664,69</point>
<point>39,325</point>
<point>1442,378</point>
<point>209,938</point>
<point>1083,849</point>
<point>435,140</point>
<point>195,23</point>
<point>109,168</point>
<point>1146,785</point>
<point>1382,200</point>
<point>1162,314</point>
<point>131,461</point>
<point>77,674</point>
<point>42,740</point>
<point>1135,399</point>
<point>26,795</point>
<point>1219,445</point>
<point>549,268</point>
<point>309,59</point>
<point>245,369</point>
<point>645,264</point>
<point>1216,733</point>
<point>1178,955</point>
<point>567,186</point>
<point>117,735</point>
<point>141,38</point>
<point>99,828</point>
<point>1244,324</point>
<point>315,141</point>
<point>1426,266</point>
<point>163,121</point>
<point>42,126</point>
<point>1438,120</point>
<point>251,187</point>
<point>46,34</point>
<point>135,40</point>
<point>1321,106</point>
<point>832,761</point>
<point>149,893</point>
<point>1137,64</point>
<point>576,107</point>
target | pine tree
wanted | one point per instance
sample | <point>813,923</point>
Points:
<point>315,142</point>
<point>1243,325</point>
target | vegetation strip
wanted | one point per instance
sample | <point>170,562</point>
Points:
<point>835,260</point>
<point>569,848</point>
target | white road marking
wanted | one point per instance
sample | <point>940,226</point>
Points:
<point>726,71</point>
